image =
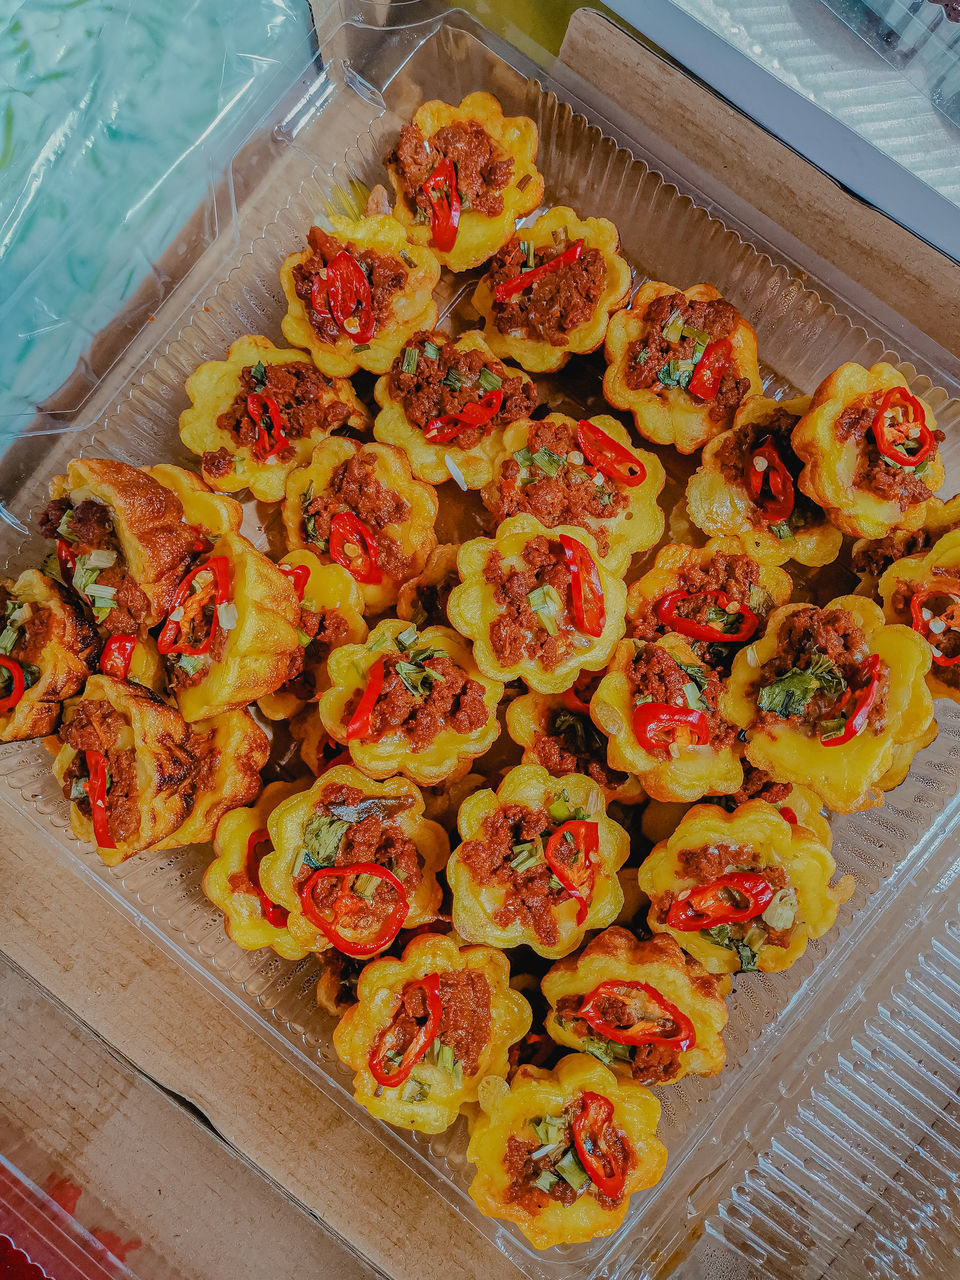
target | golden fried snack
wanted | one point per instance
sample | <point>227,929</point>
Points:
<point>207,513</point>
<point>411,702</point>
<point>231,631</point>
<point>538,604</point>
<point>588,474</point>
<point>648,1011</point>
<point>122,543</point>
<point>446,403</point>
<point>259,413</point>
<point>357,293</point>
<point>427,1028</point>
<point>230,750</point>
<point>354,861</point>
<point>463,176</point>
<point>826,696</point>
<point>537,864</point>
<point>746,485</point>
<point>717,597</point>
<point>47,650</point>
<point>923,592</point>
<point>549,292</point>
<point>681,363</point>
<point>870,557</point>
<point>660,706</point>
<point>357,505</point>
<point>743,890</point>
<point>560,1152</point>
<point>232,880</point>
<point>126,765</point>
<point>555,731</point>
<point>331,614</point>
<point>870,451</point>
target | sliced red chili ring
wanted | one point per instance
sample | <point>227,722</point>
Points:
<point>260,407</point>
<point>348,291</point>
<point>893,433</point>
<point>644,1029</point>
<point>595,1139</point>
<point>610,457</point>
<point>272,912</point>
<point>348,530</point>
<point>346,899</point>
<point>654,721</point>
<point>507,288</point>
<point>117,655</point>
<point>863,699</point>
<point>577,877</point>
<point>586,589</point>
<point>18,683</point>
<point>765,466</point>
<point>390,1075</point>
<point>96,763</point>
<point>712,365</point>
<point>950,618</point>
<point>169,640</point>
<point>298,574</point>
<point>715,903</point>
<point>666,609</point>
<point>359,723</point>
<point>67,560</point>
<point>441,190</point>
<point>479,413</point>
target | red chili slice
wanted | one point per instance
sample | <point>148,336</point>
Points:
<point>348,291</point>
<point>667,614</point>
<point>67,560</point>
<point>643,1030</point>
<point>193,606</point>
<point>117,655</point>
<point>789,814</point>
<point>272,912</point>
<point>776,505</point>
<point>260,407</point>
<point>715,903</point>
<point>610,457</point>
<point>577,877</point>
<point>586,589</point>
<point>479,413</point>
<point>893,432</point>
<point>97,794</point>
<point>390,1076</point>
<point>712,365</point>
<point>525,279</point>
<point>348,899</point>
<point>595,1139</point>
<point>441,190</point>
<point>347,529</point>
<point>653,721</point>
<point>359,725</point>
<point>863,699</point>
<point>950,617</point>
<point>298,574</point>
<point>19,684</point>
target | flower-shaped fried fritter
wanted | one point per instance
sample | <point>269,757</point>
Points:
<point>923,592</point>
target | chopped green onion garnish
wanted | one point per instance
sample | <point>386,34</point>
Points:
<point>410,357</point>
<point>190,663</point>
<point>361,346</point>
<point>489,380</point>
<point>781,530</point>
<point>571,1170</point>
<point>673,329</point>
<point>410,262</point>
<point>523,457</point>
<point>259,375</point>
<point>406,638</point>
<point>8,638</point>
<point>546,1180</point>
<point>546,604</point>
<point>414,1090</point>
<point>548,461</point>
<point>431,350</point>
<point>365,886</point>
<point>453,379</point>
<point>560,810</point>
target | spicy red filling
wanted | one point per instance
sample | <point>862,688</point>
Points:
<point>709,863</point>
<point>650,1063</point>
<point>386,276</point>
<point>562,490</point>
<point>91,528</point>
<point>518,630</point>
<point>649,356</point>
<point>735,459</point>
<point>936,616</point>
<point>324,631</point>
<point>874,472</point>
<point>656,676</point>
<point>569,742</point>
<point>482,168</point>
<point>300,391</point>
<point>443,384</point>
<point>524,1167</point>
<point>874,555</point>
<point>465,1020</point>
<point>354,486</point>
<point>421,698</point>
<point>552,304</point>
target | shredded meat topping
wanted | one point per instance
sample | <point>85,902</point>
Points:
<point>301,392</point>
<point>355,487</point>
<point>885,479</point>
<point>656,675</point>
<point>482,168</point>
<point>517,632</point>
<point>552,304</point>
<point>734,457</point>
<point>386,275</point>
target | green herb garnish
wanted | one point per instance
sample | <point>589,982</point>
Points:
<point>419,680</point>
<point>641,356</point>
<point>781,530</point>
<point>259,375</point>
<point>410,357</point>
<point>361,346</point>
<point>453,379</point>
<point>321,841</point>
<point>790,693</point>
<point>673,329</point>
<point>187,662</point>
<point>431,350</point>
<point>748,957</point>
<point>546,604</point>
<point>489,380</point>
<point>571,1170</point>
<point>407,261</point>
<point>548,461</point>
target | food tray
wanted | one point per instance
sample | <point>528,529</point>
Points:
<point>789,1034</point>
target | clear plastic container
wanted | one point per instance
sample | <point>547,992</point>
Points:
<point>788,1035</point>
